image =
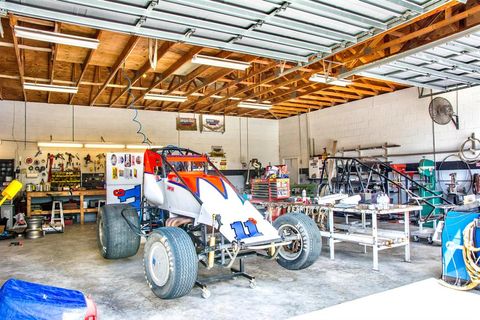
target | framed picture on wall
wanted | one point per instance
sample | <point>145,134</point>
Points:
<point>186,124</point>
<point>209,123</point>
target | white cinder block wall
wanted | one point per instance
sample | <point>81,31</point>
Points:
<point>243,139</point>
<point>398,118</point>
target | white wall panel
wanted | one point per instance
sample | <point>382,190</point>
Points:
<point>116,125</point>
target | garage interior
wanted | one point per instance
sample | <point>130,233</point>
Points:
<point>308,158</point>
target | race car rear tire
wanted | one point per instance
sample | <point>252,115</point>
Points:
<point>171,262</point>
<point>115,236</point>
<point>303,252</point>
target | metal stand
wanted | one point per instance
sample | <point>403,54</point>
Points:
<point>378,239</point>
<point>240,272</point>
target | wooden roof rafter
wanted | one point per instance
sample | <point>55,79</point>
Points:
<point>85,66</point>
<point>20,64</point>
<point>132,42</point>
<point>252,73</point>
<point>197,72</point>
<point>146,68</point>
<point>171,69</point>
<point>213,79</point>
<point>53,58</point>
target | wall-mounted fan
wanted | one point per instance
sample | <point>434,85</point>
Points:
<point>441,111</point>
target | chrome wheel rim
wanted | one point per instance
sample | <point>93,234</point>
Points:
<point>292,250</point>
<point>100,233</point>
<point>158,264</point>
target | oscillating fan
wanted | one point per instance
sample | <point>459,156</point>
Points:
<point>441,111</point>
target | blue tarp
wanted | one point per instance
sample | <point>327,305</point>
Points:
<point>21,300</point>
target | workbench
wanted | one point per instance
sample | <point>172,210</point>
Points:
<point>378,239</point>
<point>80,194</point>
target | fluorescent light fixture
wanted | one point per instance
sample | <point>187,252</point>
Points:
<point>49,87</point>
<point>220,62</point>
<point>142,146</point>
<point>104,146</point>
<point>56,37</point>
<point>162,97</point>
<point>249,105</point>
<point>60,144</point>
<point>330,80</point>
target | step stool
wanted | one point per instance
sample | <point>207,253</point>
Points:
<point>57,222</point>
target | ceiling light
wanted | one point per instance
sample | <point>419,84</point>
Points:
<point>142,146</point>
<point>162,97</point>
<point>220,62</point>
<point>60,145</point>
<point>104,146</point>
<point>249,105</point>
<point>330,80</point>
<point>55,37</point>
<point>49,87</point>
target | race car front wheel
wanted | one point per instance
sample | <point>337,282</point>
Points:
<point>305,250</point>
<point>171,262</point>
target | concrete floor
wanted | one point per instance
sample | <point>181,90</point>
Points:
<point>118,287</point>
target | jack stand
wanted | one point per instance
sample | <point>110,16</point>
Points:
<point>240,272</point>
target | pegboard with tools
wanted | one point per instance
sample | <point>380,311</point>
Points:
<point>48,170</point>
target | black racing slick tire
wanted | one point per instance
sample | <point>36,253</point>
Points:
<point>171,262</point>
<point>115,237</point>
<point>304,251</point>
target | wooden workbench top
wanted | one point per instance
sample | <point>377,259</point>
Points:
<point>93,192</point>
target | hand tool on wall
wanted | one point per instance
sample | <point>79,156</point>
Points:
<point>50,158</point>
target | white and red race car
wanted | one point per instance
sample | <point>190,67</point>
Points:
<point>193,214</point>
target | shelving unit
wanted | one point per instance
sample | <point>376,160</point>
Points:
<point>65,179</point>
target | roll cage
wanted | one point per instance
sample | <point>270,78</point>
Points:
<point>162,161</point>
